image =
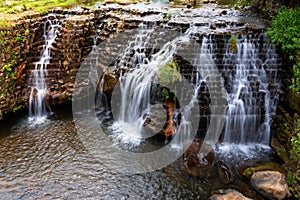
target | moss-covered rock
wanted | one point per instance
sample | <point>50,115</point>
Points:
<point>248,169</point>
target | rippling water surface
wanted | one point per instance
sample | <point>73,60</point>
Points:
<point>48,161</point>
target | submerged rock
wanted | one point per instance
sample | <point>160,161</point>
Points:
<point>225,172</point>
<point>228,195</point>
<point>270,184</point>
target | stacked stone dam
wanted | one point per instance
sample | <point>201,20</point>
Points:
<point>84,28</point>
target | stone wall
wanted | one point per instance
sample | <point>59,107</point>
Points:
<point>79,32</point>
<point>22,43</point>
<point>17,46</point>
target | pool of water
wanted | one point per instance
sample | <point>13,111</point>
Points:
<point>49,161</point>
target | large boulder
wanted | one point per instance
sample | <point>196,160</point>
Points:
<point>229,195</point>
<point>270,184</point>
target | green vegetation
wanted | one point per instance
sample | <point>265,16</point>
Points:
<point>20,37</point>
<point>169,15</point>
<point>177,2</point>
<point>8,68</point>
<point>285,32</point>
<point>290,179</point>
<point>241,3</point>
<point>3,40</point>
<point>236,3</point>
<point>233,43</point>
<point>295,141</point>
<point>169,74</point>
<point>18,108</point>
<point>293,176</point>
<point>4,23</point>
<point>15,6</point>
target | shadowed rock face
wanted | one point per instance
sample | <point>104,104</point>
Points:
<point>271,184</point>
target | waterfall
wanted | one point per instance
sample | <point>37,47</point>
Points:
<point>250,103</point>
<point>250,106</point>
<point>240,87</point>
<point>37,105</point>
<point>136,85</point>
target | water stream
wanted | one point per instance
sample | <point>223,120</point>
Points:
<point>37,106</point>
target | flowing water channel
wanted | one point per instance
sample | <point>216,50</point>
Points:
<point>225,99</point>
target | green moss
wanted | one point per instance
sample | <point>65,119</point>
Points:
<point>18,108</point>
<point>233,43</point>
<point>262,166</point>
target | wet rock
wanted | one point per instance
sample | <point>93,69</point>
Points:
<point>125,2</point>
<point>108,2</point>
<point>21,67</point>
<point>109,82</point>
<point>191,156</point>
<point>228,195</point>
<point>59,98</point>
<point>213,26</point>
<point>270,184</point>
<point>223,12</point>
<point>170,129</point>
<point>225,172</point>
<point>248,168</point>
<point>61,82</point>
<point>155,121</point>
<point>194,165</point>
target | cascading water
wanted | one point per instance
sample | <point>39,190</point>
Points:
<point>37,105</point>
<point>245,121</point>
<point>136,86</point>
<point>241,104</point>
<point>250,105</point>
